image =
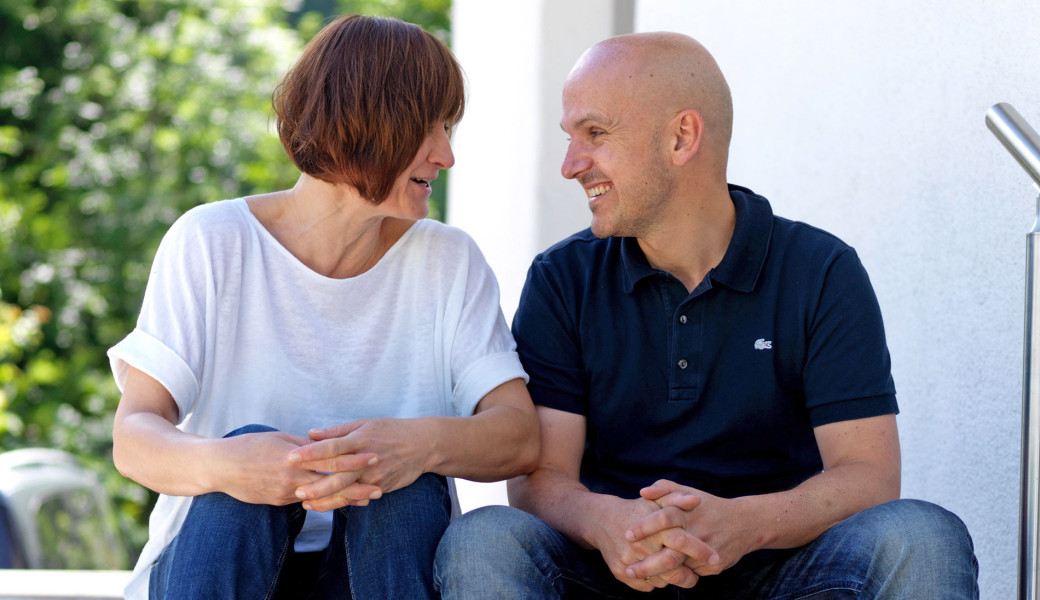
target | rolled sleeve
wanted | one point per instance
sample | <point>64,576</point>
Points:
<point>154,358</point>
<point>482,376</point>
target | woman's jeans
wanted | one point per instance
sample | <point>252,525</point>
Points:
<point>904,549</point>
<point>231,549</point>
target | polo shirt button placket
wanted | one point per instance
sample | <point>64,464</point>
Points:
<point>682,319</point>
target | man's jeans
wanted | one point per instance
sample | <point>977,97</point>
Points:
<point>905,549</point>
<point>230,549</point>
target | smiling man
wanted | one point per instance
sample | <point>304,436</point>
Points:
<point>712,381</point>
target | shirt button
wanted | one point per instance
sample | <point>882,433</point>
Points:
<point>682,319</point>
<point>682,363</point>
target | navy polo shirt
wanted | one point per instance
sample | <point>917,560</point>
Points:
<point>718,389</point>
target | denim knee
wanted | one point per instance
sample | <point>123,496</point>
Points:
<point>915,526</point>
<point>917,546</point>
<point>481,535</point>
<point>251,428</point>
<point>495,552</point>
<point>388,546</point>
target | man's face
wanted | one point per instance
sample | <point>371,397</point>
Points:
<point>615,152</point>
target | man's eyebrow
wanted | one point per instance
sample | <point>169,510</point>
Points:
<point>582,122</point>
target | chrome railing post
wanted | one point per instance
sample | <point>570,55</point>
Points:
<point>1024,144</point>
<point>1029,512</point>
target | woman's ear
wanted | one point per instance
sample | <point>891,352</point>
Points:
<point>687,132</point>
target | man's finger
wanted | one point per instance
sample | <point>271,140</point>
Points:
<point>682,577</point>
<point>662,561</point>
<point>699,555</point>
<point>659,488</point>
<point>681,500</point>
<point>656,522</point>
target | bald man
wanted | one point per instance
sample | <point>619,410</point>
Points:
<point>713,384</point>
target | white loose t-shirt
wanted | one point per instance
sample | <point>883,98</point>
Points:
<point>241,332</point>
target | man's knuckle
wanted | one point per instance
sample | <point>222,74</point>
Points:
<point>672,538</point>
<point>672,560</point>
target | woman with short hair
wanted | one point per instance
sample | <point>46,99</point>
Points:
<point>309,365</point>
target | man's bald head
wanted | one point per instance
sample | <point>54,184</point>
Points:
<point>668,73</point>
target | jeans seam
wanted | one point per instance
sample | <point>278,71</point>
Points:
<point>273,587</point>
<point>830,586</point>
<point>346,550</point>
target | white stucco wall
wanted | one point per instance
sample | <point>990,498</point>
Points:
<point>866,119</point>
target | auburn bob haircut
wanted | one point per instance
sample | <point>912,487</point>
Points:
<point>362,98</point>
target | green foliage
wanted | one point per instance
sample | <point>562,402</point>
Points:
<point>433,15</point>
<point>115,118</point>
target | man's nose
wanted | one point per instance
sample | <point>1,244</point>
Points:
<point>575,162</point>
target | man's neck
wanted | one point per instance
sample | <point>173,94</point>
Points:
<point>689,244</point>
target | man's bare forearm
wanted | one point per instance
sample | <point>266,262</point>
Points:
<point>559,500</point>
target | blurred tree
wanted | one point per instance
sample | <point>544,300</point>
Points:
<point>433,15</point>
<point>115,117</point>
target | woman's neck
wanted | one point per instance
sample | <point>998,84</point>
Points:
<point>329,228</point>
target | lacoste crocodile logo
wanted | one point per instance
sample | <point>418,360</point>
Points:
<point>763,344</point>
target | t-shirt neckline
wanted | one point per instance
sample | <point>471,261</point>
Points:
<point>269,238</point>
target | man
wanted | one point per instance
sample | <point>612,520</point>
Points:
<point>712,382</point>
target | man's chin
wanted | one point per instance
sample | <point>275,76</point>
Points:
<point>605,230</point>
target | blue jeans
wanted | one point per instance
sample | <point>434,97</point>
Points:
<point>231,549</point>
<point>905,549</point>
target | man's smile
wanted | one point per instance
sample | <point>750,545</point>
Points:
<point>598,190</point>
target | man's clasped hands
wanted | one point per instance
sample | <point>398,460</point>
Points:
<point>674,535</point>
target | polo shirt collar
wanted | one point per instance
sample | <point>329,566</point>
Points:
<point>743,261</point>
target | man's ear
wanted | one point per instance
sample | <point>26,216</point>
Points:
<point>687,131</point>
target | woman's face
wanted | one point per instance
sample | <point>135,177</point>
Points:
<point>410,196</point>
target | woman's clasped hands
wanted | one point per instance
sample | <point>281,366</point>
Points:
<point>359,461</point>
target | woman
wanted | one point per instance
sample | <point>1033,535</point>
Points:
<point>310,364</point>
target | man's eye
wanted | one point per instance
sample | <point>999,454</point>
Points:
<point>595,132</point>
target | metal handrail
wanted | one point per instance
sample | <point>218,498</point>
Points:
<point>1017,136</point>
<point>1024,144</point>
